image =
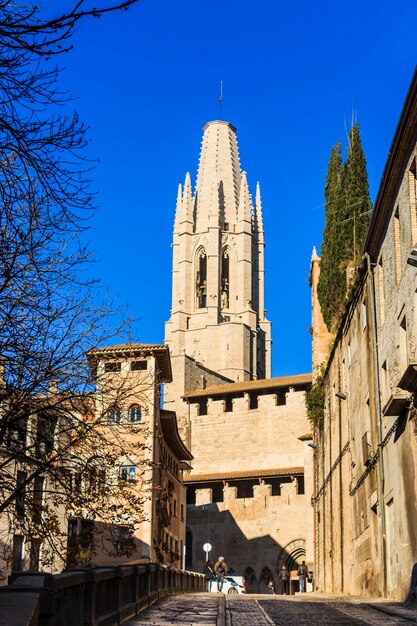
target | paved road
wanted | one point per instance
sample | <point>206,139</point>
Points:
<point>206,609</point>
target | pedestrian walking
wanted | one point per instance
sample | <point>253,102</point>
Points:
<point>284,576</point>
<point>220,570</point>
<point>208,572</point>
<point>271,587</point>
<point>302,574</point>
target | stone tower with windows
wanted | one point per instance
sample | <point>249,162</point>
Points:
<point>217,331</point>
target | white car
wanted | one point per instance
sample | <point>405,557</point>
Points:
<point>231,585</point>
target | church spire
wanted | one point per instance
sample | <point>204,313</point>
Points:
<point>218,175</point>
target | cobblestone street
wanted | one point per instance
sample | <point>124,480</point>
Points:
<point>216,610</point>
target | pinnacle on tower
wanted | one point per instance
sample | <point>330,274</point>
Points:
<point>178,208</point>
<point>245,209</point>
<point>258,208</point>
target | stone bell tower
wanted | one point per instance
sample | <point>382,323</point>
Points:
<point>217,331</point>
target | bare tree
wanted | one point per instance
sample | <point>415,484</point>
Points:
<point>49,316</point>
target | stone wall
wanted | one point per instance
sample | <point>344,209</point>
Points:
<point>254,534</point>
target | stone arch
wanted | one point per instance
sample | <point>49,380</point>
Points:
<point>251,580</point>
<point>266,576</point>
<point>292,555</point>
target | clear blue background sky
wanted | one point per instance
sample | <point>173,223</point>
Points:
<point>147,80</point>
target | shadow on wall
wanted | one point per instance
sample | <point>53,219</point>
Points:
<point>257,558</point>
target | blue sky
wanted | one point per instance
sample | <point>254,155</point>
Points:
<point>147,80</point>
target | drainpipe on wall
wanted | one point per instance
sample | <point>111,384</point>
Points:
<point>381,472</point>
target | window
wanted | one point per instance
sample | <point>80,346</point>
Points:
<point>175,508</point>
<point>20,497</point>
<point>182,512</point>
<point>17,559</point>
<point>138,366</point>
<point>225,281</point>
<point>35,548</point>
<point>127,473</point>
<point>228,404</point>
<point>253,401</point>
<point>202,407</point>
<point>113,366</point>
<point>38,499</point>
<point>300,485</point>
<point>114,416</point>
<point>135,413</point>
<point>244,488</point>
<point>190,495</point>
<point>201,280</point>
<point>280,398</point>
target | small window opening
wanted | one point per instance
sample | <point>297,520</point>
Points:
<point>226,226</point>
<point>244,488</point>
<point>253,401</point>
<point>228,404</point>
<point>127,473</point>
<point>217,492</point>
<point>201,281</point>
<point>202,407</point>
<point>114,416</point>
<point>138,366</point>
<point>300,485</point>
<point>191,495</point>
<point>113,366</point>
<point>280,399</point>
<point>275,484</point>
<point>225,281</point>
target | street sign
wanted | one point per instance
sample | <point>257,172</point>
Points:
<point>207,547</point>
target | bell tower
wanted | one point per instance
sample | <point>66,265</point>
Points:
<point>217,331</point>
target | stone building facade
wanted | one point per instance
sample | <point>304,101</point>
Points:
<point>128,473</point>
<point>248,491</point>
<point>366,489</point>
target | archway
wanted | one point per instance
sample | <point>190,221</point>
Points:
<point>292,556</point>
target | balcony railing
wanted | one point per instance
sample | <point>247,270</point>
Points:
<point>104,595</point>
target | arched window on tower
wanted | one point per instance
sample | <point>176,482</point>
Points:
<point>225,280</point>
<point>201,280</point>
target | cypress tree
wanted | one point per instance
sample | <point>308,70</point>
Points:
<point>347,209</point>
<point>356,201</point>
<point>331,285</point>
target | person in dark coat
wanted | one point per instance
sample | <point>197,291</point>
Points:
<point>208,571</point>
<point>284,575</point>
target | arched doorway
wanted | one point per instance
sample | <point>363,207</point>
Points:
<point>292,556</point>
